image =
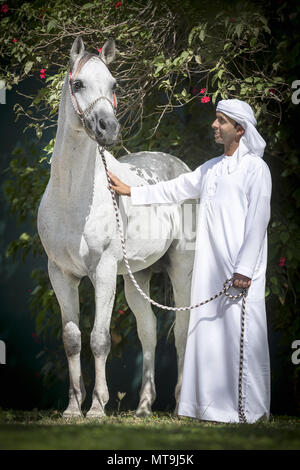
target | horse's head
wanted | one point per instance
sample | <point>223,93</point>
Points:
<point>92,91</point>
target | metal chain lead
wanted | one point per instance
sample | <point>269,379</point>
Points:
<point>242,416</point>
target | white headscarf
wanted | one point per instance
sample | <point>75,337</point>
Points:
<point>251,141</point>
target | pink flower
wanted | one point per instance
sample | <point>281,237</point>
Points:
<point>42,73</point>
<point>203,90</point>
<point>118,4</point>
<point>273,91</point>
<point>99,50</point>
<point>121,312</point>
<point>194,90</point>
<point>4,9</point>
<point>205,99</point>
<point>15,40</point>
<point>282,261</point>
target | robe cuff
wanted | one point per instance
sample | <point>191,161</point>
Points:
<point>244,270</point>
<point>138,195</point>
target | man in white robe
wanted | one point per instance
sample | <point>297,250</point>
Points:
<point>234,212</point>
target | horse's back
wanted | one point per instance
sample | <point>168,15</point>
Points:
<point>155,166</point>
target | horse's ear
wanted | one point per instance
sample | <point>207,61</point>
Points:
<point>77,50</point>
<point>108,51</point>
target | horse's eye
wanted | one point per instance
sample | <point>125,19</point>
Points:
<point>77,85</point>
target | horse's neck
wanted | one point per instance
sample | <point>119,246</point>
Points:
<point>76,165</point>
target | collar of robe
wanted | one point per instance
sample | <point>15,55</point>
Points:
<point>228,164</point>
<point>225,165</point>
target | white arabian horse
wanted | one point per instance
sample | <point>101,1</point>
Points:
<point>77,226</point>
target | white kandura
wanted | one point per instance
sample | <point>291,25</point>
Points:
<point>233,216</point>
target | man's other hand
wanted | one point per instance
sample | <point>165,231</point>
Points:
<point>241,281</point>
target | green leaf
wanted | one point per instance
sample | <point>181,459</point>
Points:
<point>51,25</point>
<point>28,66</point>
<point>184,54</point>
<point>202,33</point>
<point>214,96</point>
<point>238,29</point>
<point>24,237</point>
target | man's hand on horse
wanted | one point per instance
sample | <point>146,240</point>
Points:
<point>118,186</point>
<point>241,281</point>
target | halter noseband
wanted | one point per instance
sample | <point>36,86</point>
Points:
<point>81,114</point>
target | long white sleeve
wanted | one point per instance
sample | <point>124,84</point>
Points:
<point>185,186</point>
<point>257,220</point>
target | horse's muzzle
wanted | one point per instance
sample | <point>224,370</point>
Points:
<point>106,129</point>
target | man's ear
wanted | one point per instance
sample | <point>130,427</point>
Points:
<point>240,130</point>
<point>108,51</point>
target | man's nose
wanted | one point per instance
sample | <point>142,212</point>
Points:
<point>214,125</point>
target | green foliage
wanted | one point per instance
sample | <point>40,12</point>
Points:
<point>166,53</point>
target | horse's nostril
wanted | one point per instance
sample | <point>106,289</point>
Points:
<point>102,124</point>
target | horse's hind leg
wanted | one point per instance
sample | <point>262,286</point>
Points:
<point>180,273</point>
<point>66,290</point>
<point>146,328</point>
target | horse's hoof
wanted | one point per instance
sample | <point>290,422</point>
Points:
<point>92,414</point>
<point>72,414</point>
<point>143,413</point>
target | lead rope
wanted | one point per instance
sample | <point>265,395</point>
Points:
<point>242,416</point>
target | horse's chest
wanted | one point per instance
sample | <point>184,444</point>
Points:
<point>74,240</point>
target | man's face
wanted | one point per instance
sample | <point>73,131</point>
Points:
<point>225,130</point>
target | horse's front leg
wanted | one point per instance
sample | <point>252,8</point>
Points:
<point>105,289</point>
<point>65,286</point>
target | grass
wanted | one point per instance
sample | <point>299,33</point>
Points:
<point>48,430</point>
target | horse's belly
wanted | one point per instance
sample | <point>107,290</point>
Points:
<point>148,232</point>
<point>156,222</point>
